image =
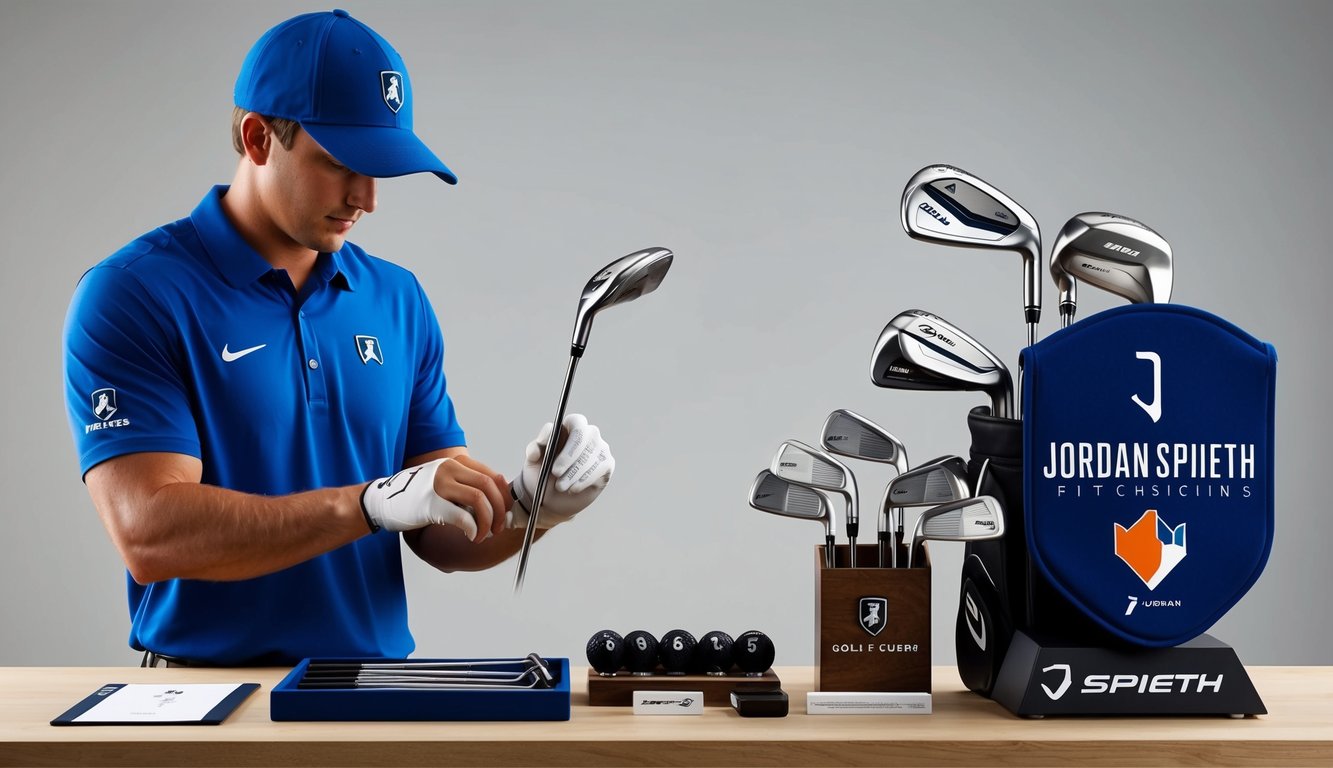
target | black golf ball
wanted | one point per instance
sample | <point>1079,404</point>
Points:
<point>753,652</point>
<point>640,652</point>
<point>713,654</point>
<point>676,651</point>
<point>606,649</point>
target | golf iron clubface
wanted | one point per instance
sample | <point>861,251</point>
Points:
<point>935,347</point>
<point>850,434</point>
<point>624,279</point>
<point>811,467</point>
<point>1114,253</point>
<point>936,482</point>
<point>890,369</point>
<point>976,519</point>
<point>944,204</point>
<point>770,493</point>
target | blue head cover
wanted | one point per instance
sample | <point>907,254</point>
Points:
<point>346,86</point>
<point>1148,455</point>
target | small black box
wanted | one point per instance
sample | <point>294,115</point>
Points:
<point>760,703</point>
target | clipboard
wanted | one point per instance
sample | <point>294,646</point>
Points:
<point>158,704</point>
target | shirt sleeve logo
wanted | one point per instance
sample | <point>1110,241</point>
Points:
<point>104,407</point>
<point>368,347</point>
<point>391,88</point>
<point>104,403</point>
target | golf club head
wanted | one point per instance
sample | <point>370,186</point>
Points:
<point>936,482</point>
<point>1114,253</point>
<point>943,204</point>
<point>770,493</point>
<point>624,279</point>
<point>804,465</point>
<point>850,434</point>
<point>976,519</point>
<point>890,369</point>
<point>937,347</point>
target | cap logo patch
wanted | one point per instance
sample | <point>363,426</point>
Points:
<point>391,88</point>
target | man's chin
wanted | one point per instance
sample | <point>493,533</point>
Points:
<point>327,244</point>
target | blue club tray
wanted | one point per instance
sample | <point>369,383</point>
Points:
<point>288,701</point>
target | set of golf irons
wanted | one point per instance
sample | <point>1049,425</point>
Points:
<point>801,478</point>
<point>918,350</point>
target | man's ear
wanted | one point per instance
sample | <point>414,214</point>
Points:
<point>256,138</point>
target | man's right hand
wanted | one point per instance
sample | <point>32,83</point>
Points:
<point>458,491</point>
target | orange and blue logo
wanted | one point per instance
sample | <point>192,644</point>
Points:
<point>1150,547</point>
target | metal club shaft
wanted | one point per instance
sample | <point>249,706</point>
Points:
<point>548,460</point>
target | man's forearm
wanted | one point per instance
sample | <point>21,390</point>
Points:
<point>449,550</point>
<point>196,531</point>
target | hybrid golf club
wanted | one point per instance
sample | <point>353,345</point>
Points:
<point>943,204</point>
<point>624,279</point>
<point>770,493</point>
<point>1114,253</point>
<point>811,467</point>
<point>936,482</point>
<point>976,519</point>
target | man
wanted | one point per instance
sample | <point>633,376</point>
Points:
<point>235,378</point>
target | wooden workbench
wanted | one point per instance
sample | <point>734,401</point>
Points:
<point>964,730</point>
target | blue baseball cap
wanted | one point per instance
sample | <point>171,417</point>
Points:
<point>346,86</point>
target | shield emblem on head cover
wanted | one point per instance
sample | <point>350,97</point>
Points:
<point>1148,444</point>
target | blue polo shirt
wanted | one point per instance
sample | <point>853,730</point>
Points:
<point>188,341</point>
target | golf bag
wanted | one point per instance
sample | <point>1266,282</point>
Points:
<point>1147,511</point>
<point>999,590</point>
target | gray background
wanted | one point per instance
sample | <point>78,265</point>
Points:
<point>767,144</point>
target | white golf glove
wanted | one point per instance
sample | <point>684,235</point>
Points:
<point>580,472</point>
<point>407,500</point>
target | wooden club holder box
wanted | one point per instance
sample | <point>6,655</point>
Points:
<point>872,625</point>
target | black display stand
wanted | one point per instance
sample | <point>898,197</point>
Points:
<point>1201,677</point>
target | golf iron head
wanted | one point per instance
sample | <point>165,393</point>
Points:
<point>938,348</point>
<point>937,481</point>
<point>801,464</point>
<point>979,518</point>
<point>890,369</point>
<point>774,495</point>
<point>1115,253</point>
<point>944,204</point>
<point>847,433</point>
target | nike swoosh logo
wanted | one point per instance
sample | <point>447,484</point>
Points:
<point>229,357</point>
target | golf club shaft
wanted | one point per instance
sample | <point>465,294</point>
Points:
<point>428,665</point>
<point>830,551</point>
<point>898,513</point>
<point>885,542</point>
<point>1016,398</point>
<point>547,461</point>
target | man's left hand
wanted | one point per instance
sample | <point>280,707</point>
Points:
<point>581,470</point>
